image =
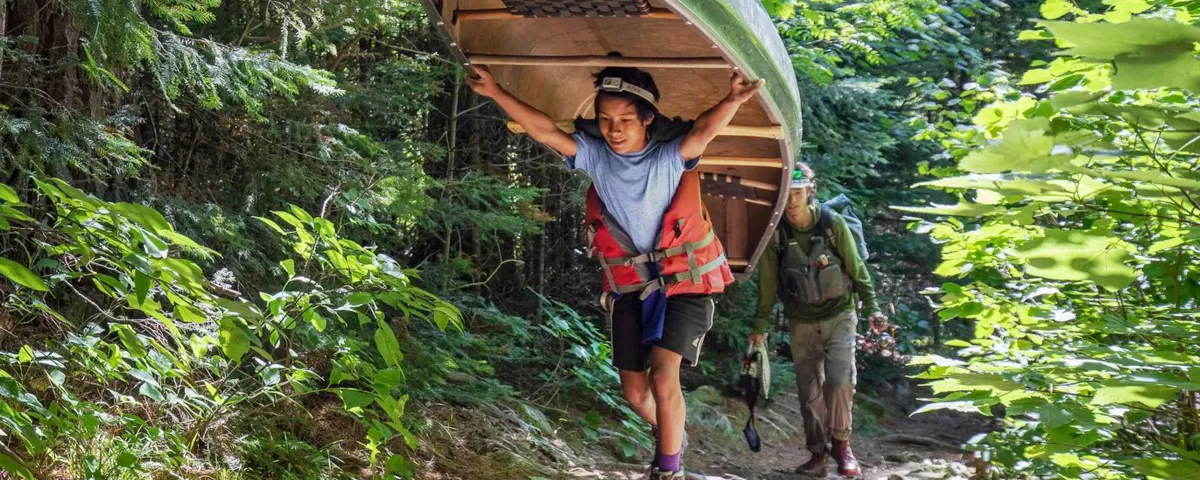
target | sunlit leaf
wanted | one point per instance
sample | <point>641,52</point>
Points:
<point>1077,256</point>
<point>1149,395</point>
<point>961,209</point>
<point>1166,469</point>
<point>142,215</point>
<point>235,342</point>
<point>21,275</point>
<point>9,195</point>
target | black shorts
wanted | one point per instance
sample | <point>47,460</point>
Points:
<point>688,319</point>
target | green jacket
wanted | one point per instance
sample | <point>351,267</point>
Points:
<point>768,278</point>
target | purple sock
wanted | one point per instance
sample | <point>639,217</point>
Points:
<point>667,463</point>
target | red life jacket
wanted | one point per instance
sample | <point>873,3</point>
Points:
<point>690,257</point>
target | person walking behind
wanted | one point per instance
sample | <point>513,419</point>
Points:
<point>817,272</point>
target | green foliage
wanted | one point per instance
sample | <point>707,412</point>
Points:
<point>159,333</point>
<point>592,369</point>
<point>1078,270</point>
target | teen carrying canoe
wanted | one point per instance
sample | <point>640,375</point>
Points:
<point>649,229</point>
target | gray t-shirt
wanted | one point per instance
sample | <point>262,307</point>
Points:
<point>636,188</point>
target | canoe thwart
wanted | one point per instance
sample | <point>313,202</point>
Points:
<point>771,131</point>
<point>599,61</point>
<point>728,161</point>
<point>721,178</point>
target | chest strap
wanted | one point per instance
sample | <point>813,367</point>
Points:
<point>661,283</point>
<point>657,255</point>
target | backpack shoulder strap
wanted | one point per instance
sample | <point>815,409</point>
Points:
<point>825,227</point>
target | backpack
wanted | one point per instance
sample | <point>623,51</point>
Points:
<point>842,206</point>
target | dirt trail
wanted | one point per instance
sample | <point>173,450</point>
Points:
<point>888,454</point>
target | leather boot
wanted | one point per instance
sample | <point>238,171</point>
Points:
<point>847,464</point>
<point>816,466</point>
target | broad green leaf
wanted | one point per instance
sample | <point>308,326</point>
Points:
<point>1131,6</point>
<point>1053,9</point>
<point>1078,256</point>
<point>958,406</point>
<point>152,391</point>
<point>1052,416</point>
<point>445,315</point>
<point>409,438</point>
<point>1024,147</point>
<point>141,286</point>
<point>961,209</point>
<point>300,214</point>
<point>1166,469</point>
<point>289,266</point>
<point>289,219</point>
<point>130,340</point>
<point>272,224</point>
<point>936,360</point>
<point>14,214</point>
<point>8,194</point>
<point>359,298</point>
<point>313,317</point>
<point>143,376</point>
<point>235,342</point>
<point>1147,53</point>
<point>1149,176</point>
<point>1105,42</point>
<point>388,345</point>
<point>25,354</point>
<point>1149,395</point>
<point>353,398</point>
<point>142,215</point>
<point>1068,460</point>
<point>975,381</point>
<point>784,9</point>
<point>387,379</point>
<point>397,466</point>
<point>21,275</point>
<point>187,243</point>
<point>127,460</point>
<point>270,374</point>
<point>11,465</point>
<point>1173,69</point>
<point>190,314</point>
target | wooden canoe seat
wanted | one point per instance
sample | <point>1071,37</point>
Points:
<point>578,8</point>
<point>505,14</point>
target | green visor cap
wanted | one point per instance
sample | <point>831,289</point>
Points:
<point>798,180</point>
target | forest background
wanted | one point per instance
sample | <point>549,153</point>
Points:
<point>281,239</point>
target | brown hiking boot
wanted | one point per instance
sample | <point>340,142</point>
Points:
<point>847,464</point>
<point>816,466</point>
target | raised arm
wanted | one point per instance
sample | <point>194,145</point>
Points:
<point>710,123</point>
<point>539,126</point>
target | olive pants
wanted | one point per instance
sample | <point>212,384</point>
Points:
<point>823,357</point>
